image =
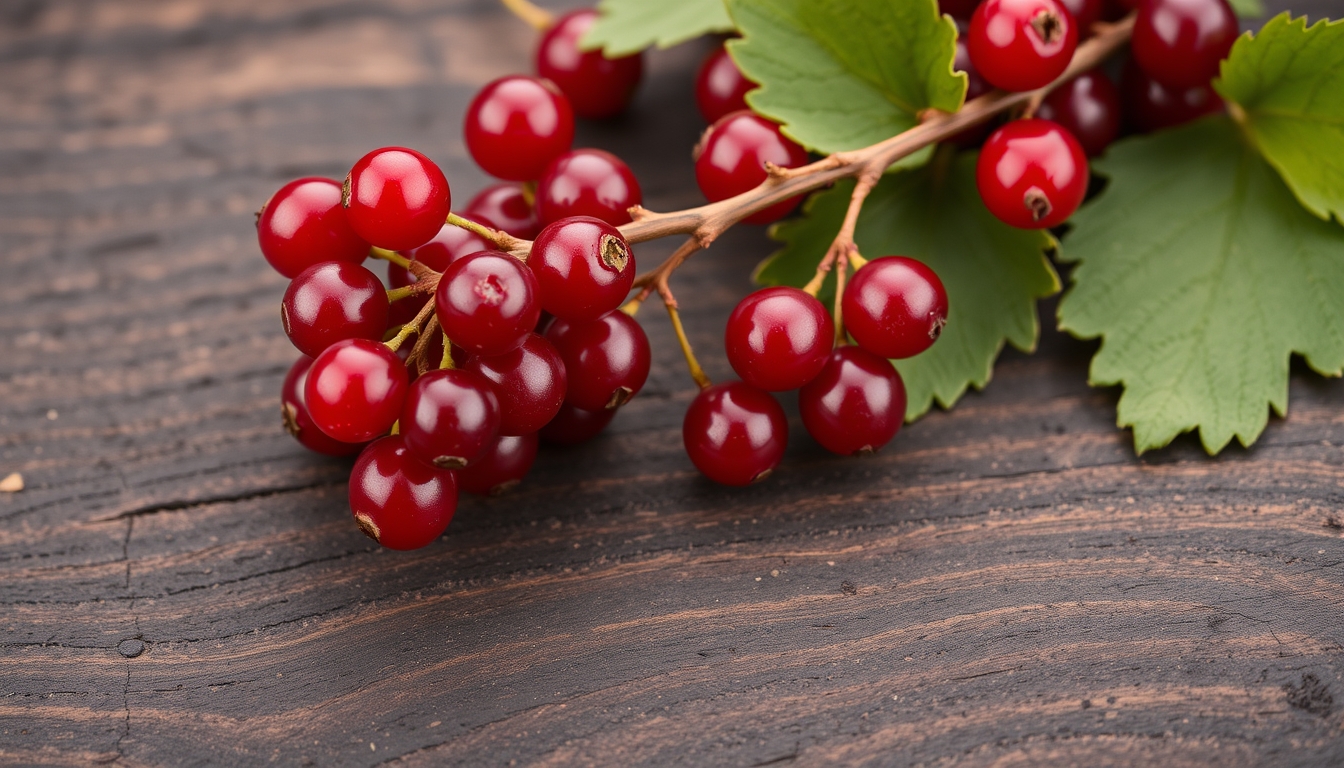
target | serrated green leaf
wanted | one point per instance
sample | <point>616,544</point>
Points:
<point>1288,81</point>
<point>993,273</point>
<point>1202,275</point>
<point>627,26</point>
<point>1248,9</point>
<point>842,75</point>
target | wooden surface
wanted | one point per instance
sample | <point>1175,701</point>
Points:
<point>180,583</point>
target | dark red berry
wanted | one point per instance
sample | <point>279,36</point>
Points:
<point>451,244</point>
<point>597,87</point>
<point>398,500</point>
<point>573,425</point>
<point>587,182</point>
<point>517,125</point>
<point>506,208</point>
<point>895,307</point>
<point>1151,106</point>
<point>1085,13</point>
<point>958,9</point>
<point>856,404</point>
<point>1088,107</point>
<point>487,302</point>
<point>731,160</point>
<point>975,87</point>
<point>333,301</point>
<point>299,423</point>
<point>449,418</point>
<point>304,224</point>
<point>1180,43</point>
<point>778,338</point>
<point>735,434</point>
<point>606,360</point>
<point>584,268</point>
<point>1032,174</point>
<point>530,382</point>
<point>355,390</point>
<point>720,87</point>
<point>501,466</point>
<point>396,198</point>
<point>1021,45</point>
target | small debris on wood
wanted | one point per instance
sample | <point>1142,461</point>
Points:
<point>13,483</point>
<point>848,587</point>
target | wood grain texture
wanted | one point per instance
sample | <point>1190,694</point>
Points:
<point>181,584</point>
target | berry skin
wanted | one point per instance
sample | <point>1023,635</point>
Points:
<point>398,500</point>
<point>606,360</point>
<point>1085,13</point>
<point>584,268</point>
<point>530,382</point>
<point>975,86</point>
<point>720,87</point>
<point>505,206</point>
<point>587,182</point>
<point>1151,106</point>
<point>449,418</point>
<point>778,338</point>
<point>1021,45</point>
<point>895,307</point>
<point>731,160</point>
<point>304,224</point>
<point>355,390</point>
<point>451,244</point>
<point>487,302</point>
<point>333,301</point>
<point>396,198</point>
<point>572,426</point>
<point>735,434</point>
<point>298,423</point>
<point>500,467</point>
<point>1088,107</point>
<point>517,125</point>
<point>1032,174</point>
<point>1180,43</point>
<point>597,87</point>
<point>856,404</point>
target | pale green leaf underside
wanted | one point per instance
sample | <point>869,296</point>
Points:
<point>627,26</point>
<point>1289,82</point>
<point>1202,275</point>
<point>993,273</point>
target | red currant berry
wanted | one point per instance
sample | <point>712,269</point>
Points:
<point>720,87</point>
<point>778,338</point>
<point>597,87</point>
<point>355,389</point>
<point>895,307</point>
<point>333,301</point>
<point>573,425</point>
<point>1021,45</point>
<point>1088,107</point>
<point>735,434</point>
<point>500,467</point>
<point>517,125</point>
<point>507,208</point>
<point>975,87</point>
<point>958,9</point>
<point>1085,13</point>
<point>587,182</point>
<point>303,224</point>
<point>1032,174</point>
<point>1180,43</point>
<point>487,302</point>
<point>856,404</point>
<point>584,268</point>
<point>449,245</point>
<point>530,382</point>
<point>298,422</point>
<point>731,160</point>
<point>450,416</point>
<point>398,500</point>
<point>396,198</point>
<point>1151,106</point>
<point>606,360</point>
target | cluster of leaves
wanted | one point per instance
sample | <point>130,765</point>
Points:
<point>1214,254</point>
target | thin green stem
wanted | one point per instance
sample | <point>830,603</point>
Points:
<point>392,256</point>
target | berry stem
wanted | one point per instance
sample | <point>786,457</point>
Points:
<point>392,256</point>
<point>502,240</point>
<point>426,312</point>
<point>447,361</point>
<point>539,19</point>
<point>670,302</point>
<point>405,292</point>
<point>421,348</point>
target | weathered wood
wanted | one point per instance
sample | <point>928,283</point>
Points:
<point>182,583</point>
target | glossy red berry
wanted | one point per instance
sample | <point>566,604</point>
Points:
<point>449,245</point>
<point>396,198</point>
<point>587,182</point>
<point>597,87</point>
<point>487,302</point>
<point>720,87</point>
<point>1032,174</point>
<point>449,418</point>
<point>398,500</point>
<point>606,360</point>
<point>1021,45</point>
<point>1085,13</point>
<point>731,160</point>
<point>856,404</point>
<point>333,301</point>
<point>299,423</point>
<point>506,208</point>
<point>584,268</point>
<point>573,425</point>
<point>1088,107</point>
<point>1151,106</point>
<point>778,338</point>
<point>517,125</point>
<point>304,224</point>
<point>500,467</point>
<point>895,307</point>
<point>976,86</point>
<point>735,434</point>
<point>1180,43</point>
<point>530,382</point>
<point>355,390</point>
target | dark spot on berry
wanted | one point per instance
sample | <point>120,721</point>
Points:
<point>1036,202</point>
<point>614,252</point>
<point>345,192</point>
<point>367,525</point>
<point>290,417</point>
<point>1048,25</point>
<point>491,290</point>
<point>450,462</point>
<point>620,397</point>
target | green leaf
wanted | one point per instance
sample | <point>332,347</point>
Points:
<point>993,273</point>
<point>1288,82</point>
<point>627,26</point>
<point>1248,9</point>
<point>842,75</point>
<point>1202,275</point>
